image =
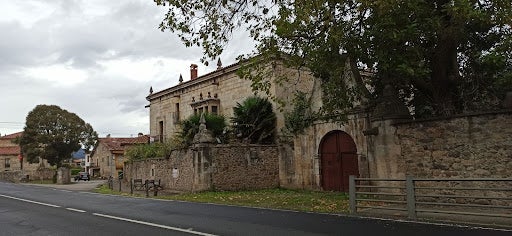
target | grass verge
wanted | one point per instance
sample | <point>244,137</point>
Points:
<point>297,200</point>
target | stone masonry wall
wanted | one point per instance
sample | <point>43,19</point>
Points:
<point>16,176</point>
<point>239,167</point>
<point>230,167</point>
<point>176,173</point>
<point>478,146</point>
<point>466,147</point>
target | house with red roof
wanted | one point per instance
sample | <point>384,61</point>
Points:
<point>11,158</point>
<point>107,159</point>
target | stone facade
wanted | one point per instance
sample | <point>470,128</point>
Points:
<point>304,168</point>
<point>216,92</point>
<point>387,144</point>
<point>11,161</point>
<point>107,158</point>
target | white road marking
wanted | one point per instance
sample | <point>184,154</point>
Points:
<point>77,210</point>
<point>67,191</point>
<point>451,224</point>
<point>30,201</point>
<point>155,225</point>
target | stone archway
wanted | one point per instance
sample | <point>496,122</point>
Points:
<point>338,160</point>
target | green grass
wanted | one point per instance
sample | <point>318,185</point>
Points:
<point>298,200</point>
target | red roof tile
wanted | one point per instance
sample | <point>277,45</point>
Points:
<point>114,144</point>
<point>11,136</point>
<point>10,150</point>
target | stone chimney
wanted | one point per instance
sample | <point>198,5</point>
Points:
<point>193,72</point>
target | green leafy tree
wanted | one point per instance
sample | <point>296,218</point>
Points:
<point>442,56</point>
<point>190,127</point>
<point>146,151</point>
<point>300,117</point>
<point>53,134</point>
<point>254,121</point>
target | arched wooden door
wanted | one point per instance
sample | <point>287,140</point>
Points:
<point>338,155</point>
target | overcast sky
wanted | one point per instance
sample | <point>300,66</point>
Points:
<point>95,58</point>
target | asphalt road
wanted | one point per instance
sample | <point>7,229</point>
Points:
<point>37,210</point>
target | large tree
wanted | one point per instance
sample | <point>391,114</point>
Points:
<point>442,56</point>
<point>53,134</point>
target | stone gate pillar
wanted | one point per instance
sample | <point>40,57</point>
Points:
<point>384,146</point>
<point>201,150</point>
<point>63,175</point>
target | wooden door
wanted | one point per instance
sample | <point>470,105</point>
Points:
<point>338,156</point>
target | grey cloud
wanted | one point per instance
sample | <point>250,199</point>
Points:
<point>128,30</point>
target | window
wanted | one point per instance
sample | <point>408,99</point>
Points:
<point>214,110</point>
<point>7,163</point>
<point>161,131</point>
<point>176,113</point>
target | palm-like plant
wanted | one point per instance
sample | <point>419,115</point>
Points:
<point>254,121</point>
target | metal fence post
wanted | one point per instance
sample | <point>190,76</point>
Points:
<point>411,199</point>
<point>352,194</point>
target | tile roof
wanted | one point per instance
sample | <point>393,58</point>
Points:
<point>11,136</point>
<point>10,150</point>
<point>116,144</point>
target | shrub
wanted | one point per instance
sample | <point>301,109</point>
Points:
<point>254,121</point>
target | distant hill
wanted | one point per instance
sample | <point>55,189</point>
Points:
<point>80,154</point>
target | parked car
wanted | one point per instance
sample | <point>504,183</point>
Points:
<point>82,176</point>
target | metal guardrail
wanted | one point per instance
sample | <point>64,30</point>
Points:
<point>413,195</point>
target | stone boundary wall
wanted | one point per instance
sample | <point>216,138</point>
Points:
<point>16,176</point>
<point>244,167</point>
<point>476,146</point>
<point>463,147</point>
<point>221,167</point>
<point>176,173</point>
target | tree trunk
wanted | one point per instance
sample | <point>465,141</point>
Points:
<point>445,66</point>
